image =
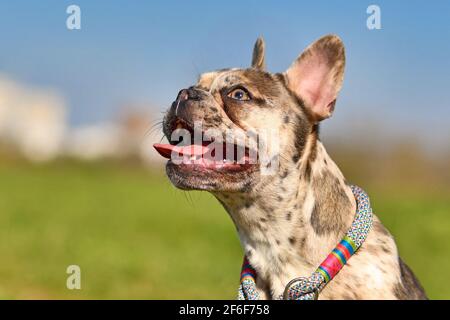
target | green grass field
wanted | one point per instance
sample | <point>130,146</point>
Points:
<point>136,237</point>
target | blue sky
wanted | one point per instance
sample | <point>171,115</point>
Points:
<point>144,52</point>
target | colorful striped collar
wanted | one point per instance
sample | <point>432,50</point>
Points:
<point>308,288</point>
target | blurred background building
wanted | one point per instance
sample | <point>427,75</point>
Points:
<point>32,120</point>
<point>34,124</point>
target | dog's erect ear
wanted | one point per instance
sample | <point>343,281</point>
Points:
<point>316,75</point>
<point>258,59</point>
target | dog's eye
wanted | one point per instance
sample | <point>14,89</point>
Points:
<point>239,94</point>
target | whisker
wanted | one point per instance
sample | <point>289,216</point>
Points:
<point>157,125</point>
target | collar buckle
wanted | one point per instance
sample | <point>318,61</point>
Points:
<point>301,290</point>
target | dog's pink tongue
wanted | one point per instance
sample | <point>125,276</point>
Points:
<point>193,150</point>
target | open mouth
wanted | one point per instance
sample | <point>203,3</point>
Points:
<point>205,155</point>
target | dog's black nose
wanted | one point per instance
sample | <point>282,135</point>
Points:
<point>187,94</point>
<point>182,95</point>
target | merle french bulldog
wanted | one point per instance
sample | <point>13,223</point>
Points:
<point>289,219</point>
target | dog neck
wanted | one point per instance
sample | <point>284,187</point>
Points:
<point>288,227</point>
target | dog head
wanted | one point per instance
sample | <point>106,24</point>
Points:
<point>218,127</point>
